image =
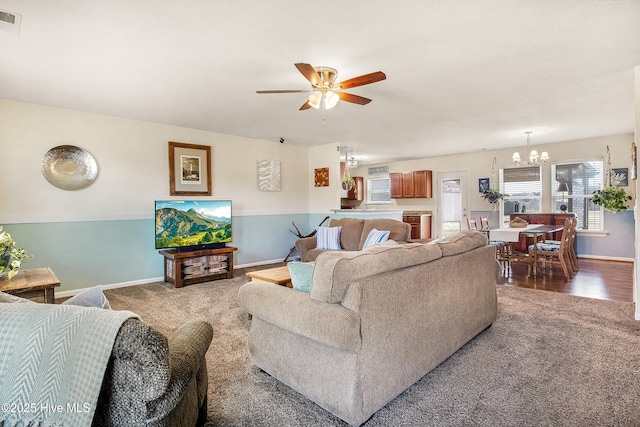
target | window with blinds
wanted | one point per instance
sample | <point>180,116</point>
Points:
<point>573,186</point>
<point>379,190</point>
<point>522,188</point>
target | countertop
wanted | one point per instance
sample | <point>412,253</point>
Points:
<point>415,213</point>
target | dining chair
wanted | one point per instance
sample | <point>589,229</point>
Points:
<point>472,223</point>
<point>558,252</point>
<point>503,249</point>
<point>571,245</point>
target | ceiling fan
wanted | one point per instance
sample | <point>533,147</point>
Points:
<point>324,91</point>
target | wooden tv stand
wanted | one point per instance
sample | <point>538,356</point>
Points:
<point>185,268</point>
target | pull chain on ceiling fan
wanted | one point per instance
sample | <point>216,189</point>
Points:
<point>325,92</point>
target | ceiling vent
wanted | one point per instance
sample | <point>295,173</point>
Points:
<point>10,22</point>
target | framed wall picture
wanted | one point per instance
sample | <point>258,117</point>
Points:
<point>483,184</point>
<point>189,169</point>
<point>620,177</point>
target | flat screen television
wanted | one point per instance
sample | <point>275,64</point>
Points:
<point>188,225</point>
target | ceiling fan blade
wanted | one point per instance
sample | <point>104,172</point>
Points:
<point>305,106</point>
<point>349,97</point>
<point>281,91</point>
<point>309,73</point>
<point>361,80</point>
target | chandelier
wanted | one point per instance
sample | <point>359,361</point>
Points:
<point>534,157</point>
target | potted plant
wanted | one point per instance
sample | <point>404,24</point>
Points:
<point>612,198</point>
<point>492,196</point>
<point>11,257</point>
<point>348,183</point>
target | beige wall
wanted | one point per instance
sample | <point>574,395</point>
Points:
<point>323,199</point>
<point>478,165</point>
<point>132,158</point>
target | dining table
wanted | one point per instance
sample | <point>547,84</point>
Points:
<point>512,234</point>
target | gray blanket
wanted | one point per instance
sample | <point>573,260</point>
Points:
<point>52,362</point>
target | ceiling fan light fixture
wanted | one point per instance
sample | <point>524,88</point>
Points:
<point>315,99</point>
<point>330,99</point>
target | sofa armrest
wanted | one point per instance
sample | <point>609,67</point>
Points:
<point>304,244</point>
<point>187,348</point>
<point>292,310</point>
<point>146,372</point>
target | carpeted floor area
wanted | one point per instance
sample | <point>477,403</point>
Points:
<point>549,360</point>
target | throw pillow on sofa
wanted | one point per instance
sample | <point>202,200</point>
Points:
<point>301,273</point>
<point>92,297</point>
<point>375,237</point>
<point>328,238</point>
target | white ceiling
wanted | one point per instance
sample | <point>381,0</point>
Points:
<point>461,75</point>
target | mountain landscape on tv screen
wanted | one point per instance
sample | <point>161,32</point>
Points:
<point>176,228</point>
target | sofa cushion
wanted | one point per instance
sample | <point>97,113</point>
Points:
<point>463,241</point>
<point>398,230</point>
<point>375,237</point>
<point>335,271</point>
<point>300,273</point>
<point>351,232</point>
<point>328,238</point>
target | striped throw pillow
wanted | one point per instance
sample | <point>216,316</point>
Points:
<point>328,238</point>
<point>375,237</point>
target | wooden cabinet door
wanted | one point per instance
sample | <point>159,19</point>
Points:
<point>422,184</point>
<point>414,221</point>
<point>408,186</point>
<point>396,185</point>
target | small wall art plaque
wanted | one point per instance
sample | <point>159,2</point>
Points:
<point>321,177</point>
<point>269,175</point>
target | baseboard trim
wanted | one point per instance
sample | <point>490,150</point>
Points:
<point>74,292</point>
<point>606,258</point>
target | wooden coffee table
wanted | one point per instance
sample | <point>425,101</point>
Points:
<point>278,275</point>
<point>32,282</point>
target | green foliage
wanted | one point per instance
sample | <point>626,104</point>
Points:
<point>11,257</point>
<point>492,196</point>
<point>613,199</point>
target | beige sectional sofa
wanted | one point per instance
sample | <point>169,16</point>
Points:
<point>353,235</point>
<point>374,321</point>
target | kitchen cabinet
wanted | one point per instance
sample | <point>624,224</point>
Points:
<point>420,224</point>
<point>410,185</point>
<point>422,184</point>
<point>395,179</point>
<point>414,221</point>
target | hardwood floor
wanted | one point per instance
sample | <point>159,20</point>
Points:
<point>607,280</point>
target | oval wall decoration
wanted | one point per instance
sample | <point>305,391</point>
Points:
<point>69,167</point>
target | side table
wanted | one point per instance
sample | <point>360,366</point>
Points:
<point>28,283</point>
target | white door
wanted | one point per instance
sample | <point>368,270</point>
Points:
<point>452,203</point>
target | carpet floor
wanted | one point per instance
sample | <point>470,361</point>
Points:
<point>549,360</point>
